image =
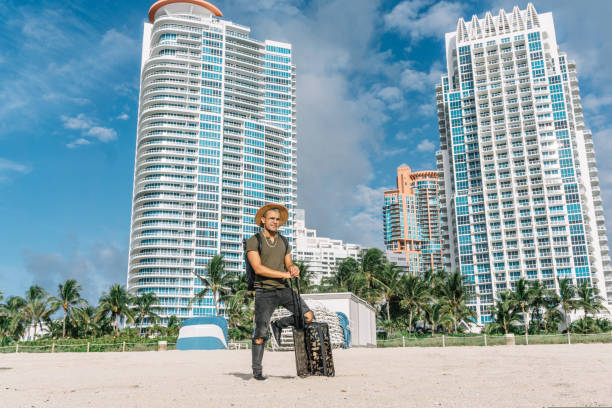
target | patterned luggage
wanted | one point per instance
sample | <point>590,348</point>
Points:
<point>312,344</point>
<point>319,350</point>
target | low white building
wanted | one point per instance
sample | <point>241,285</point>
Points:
<point>361,315</point>
<point>322,254</point>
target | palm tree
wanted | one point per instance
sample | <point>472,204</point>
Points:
<point>67,299</point>
<point>415,295</point>
<point>2,306</point>
<point>84,321</point>
<point>54,329</point>
<point>239,284</point>
<point>539,299</point>
<point>567,299</point>
<point>387,325</point>
<point>390,278</point>
<point>15,322</point>
<point>217,280</point>
<point>366,281</point>
<point>37,307</point>
<point>340,280</point>
<point>87,325</point>
<point>552,315</point>
<point>436,314</point>
<point>434,280</point>
<point>174,324</point>
<point>305,276</point>
<point>523,295</point>
<point>234,311</point>
<point>590,301</point>
<point>144,307</point>
<point>505,311</point>
<point>454,296</point>
<point>116,302</point>
<point>239,313</point>
<point>5,331</point>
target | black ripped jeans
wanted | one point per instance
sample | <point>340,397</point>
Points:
<point>266,301</point>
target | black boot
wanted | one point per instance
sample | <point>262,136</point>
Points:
<point>285,322</point>
<point>257,357</point>
<point>276,331</point>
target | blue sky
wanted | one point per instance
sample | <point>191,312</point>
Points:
<point>366,71</point>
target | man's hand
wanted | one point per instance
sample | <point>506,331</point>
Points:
<point>294,271</point>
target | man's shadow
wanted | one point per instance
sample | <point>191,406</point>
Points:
<point>248,376</point>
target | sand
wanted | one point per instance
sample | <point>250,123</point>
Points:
<point>500,376</point>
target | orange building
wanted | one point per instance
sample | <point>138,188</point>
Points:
<point>411,219</point>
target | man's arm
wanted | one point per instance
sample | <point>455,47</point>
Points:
<point>262,270</point>
<point>291,267</point>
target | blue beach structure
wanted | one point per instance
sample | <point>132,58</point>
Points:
<point>203,333</point>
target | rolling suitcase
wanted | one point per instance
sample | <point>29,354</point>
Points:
<point>313,351</point>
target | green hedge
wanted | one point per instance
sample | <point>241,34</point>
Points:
<point>102,344</point>
<point>492,340</point>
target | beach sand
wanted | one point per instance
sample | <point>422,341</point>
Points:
<point>500,376</point>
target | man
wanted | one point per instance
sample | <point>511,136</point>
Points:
<point>272,269</point>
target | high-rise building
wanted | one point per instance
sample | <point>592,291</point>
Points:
<point>411,220</point>
<point>521,195</point>
<point>216,140</point>
<point>322,254</point>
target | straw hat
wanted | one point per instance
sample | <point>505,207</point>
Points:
<point>284,213</point>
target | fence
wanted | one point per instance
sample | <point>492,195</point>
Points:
<point>436,341</point>
<point>489,340</point>
<point>83,347</point>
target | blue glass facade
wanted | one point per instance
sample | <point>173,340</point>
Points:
<point>515,206</point>
<point>216,141</point>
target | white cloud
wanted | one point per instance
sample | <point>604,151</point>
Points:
<point>95,268</point>
<point>428,109</point>
<point>421,81</point>
<point>413,133</point>
<point>595,103</point>
<point>400,136</point>
<point>62,59</point>
<point>393,152</point>
<point>8,168</point>
<point>78,142</point>
<point>80,122</point>
<point>393,97</point>
<point>283,7</point>
<point>366,220</point>
<point>426,146</point>
<point>419,18</point>
<point>8,165</point>
<point>88,130</point>
<point>102,134</point>
<point>340,116</point>
<point>123,116</point>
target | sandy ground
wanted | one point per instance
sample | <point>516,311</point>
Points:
<point>503,376</point>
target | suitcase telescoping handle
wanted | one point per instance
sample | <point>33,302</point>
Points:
<point>299,316</point>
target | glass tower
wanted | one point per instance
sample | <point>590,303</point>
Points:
<point>411,220</point>
<point>216,140</point>
<point>520,191</point>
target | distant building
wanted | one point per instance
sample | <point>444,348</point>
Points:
<point>411,220</point>
<point>520,189</point>
<point>321,254</point>
<point>216,140</point>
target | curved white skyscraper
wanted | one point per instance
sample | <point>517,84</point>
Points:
<point>521,196</point>
<point>216,140</point>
